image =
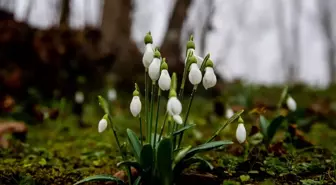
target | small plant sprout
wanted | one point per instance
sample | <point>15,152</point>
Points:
<point>135,105</point>
<point>209,79</point>
<point>291,104</point>
<point>79,97</point>
<point>195,75</point>
<point>102,125</point>
<point>241,131</point>
<point>164,80</point>
<point>159,158</point>
<point>149,50</point>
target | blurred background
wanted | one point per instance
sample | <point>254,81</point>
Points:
<point>59,46</point>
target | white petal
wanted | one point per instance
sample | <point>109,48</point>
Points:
<point>195,75</point>
<point>135,106</point>
<point>199,61</point>
<point>154,69</point>
<point>174,106</point>
<point>178,119</point>
<point>79,97</point>
<point>241,133</point>
<point>229,113</point>
<point>291,104</point>
<point>102,125</point>
<point>164,80</point>
<point>209,79</point>
<point>148,55</point>
<point>112,94</point>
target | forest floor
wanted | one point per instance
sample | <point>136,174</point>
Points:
<point>61,152</point>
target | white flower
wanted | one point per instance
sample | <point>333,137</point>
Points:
<point>195,75</point>
<point>291,104</point>
<point>154,69</point>
<point>174,106</point>
<point>79,97</point>
<point>164,80</point>
<point>102,125</point>
<point>241,133</point>
<point>209,79</point>
<point>178,119</point>
<point>148,55</point>
<point>199,61</point>
<point>112,94</point>
<point>135,106</point>
<point>229,113</point>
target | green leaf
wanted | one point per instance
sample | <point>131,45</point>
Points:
<point>135,165</point>
<point>103,104</point>
<point>183,129</point>
<point>137,181</point>
<point>146,157</point>
<point>264,123</point>
<point>101,178</point>
<point>181,154</point>
<point>206,147</point>
<point>135,143</point>
<point>273,127</point>
<point>164,161</point>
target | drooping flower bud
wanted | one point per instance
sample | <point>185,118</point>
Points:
<point>149,50</point>
<point>111,94</point>
<point>209,79</point>
<point>178,119</point>
<point>102,125</point>
<point>174,107</point>
<point>154,67</point>
<point>229,113</point>
<point>164,80</point>
<point>291,104</point>
<point>195,75</point>
<point>241,131</point>
<point>135,105</point>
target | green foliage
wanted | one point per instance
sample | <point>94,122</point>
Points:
<point>269,129</point>
<point>135,143</point>
<point>106,178</point>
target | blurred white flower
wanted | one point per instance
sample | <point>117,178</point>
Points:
<point>199,61</point>
<point>291,104</point>
<point>112,94</point>
<point>195,75</point>
<point>174,106</point>
<point>164,80</point>
<point>241,133</point>
<point>148,55</point>
<point>229,113</point>
<point>135,106</point>
<point>102,125</point>
<point>209,79</point>
<point>154,69</point>
<point>79,97</point>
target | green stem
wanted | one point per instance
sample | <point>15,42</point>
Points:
<point>163,125</point>
<point>187,114</point>
<point>141,131</point>
<point>151,114</point>
<point>157,116</point>
<point>146,102</point>
<point>184,78</point>
<point>128,169</point>
<point>174,129</point>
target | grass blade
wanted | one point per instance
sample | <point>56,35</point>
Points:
<point>101,178</point>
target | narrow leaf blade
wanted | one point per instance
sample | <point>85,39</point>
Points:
<point>273,127</point>
<point>264,123</point>
<point>207,146</point>
<point>164,161</point>
<point>129,164</point>
<point>146,157</point>
<point>103,104</point>
<point>183,129</point>
<point>135,143</point>
<point>101,178</point>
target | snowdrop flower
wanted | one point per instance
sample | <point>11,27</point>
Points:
<point>135,106</point>
<point>112,94</point>
<point>195,75</point>
<point>199,61</point>
<point>164,80</point>
<point>209,79</point>
<point>79,97</point>
<point>174,107</point>
<point>229,113</point>
<point>154,67</point>
<point>241,131</point>
<point>291,104</point>
<point>102,125</point>
<point>149,50</point>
